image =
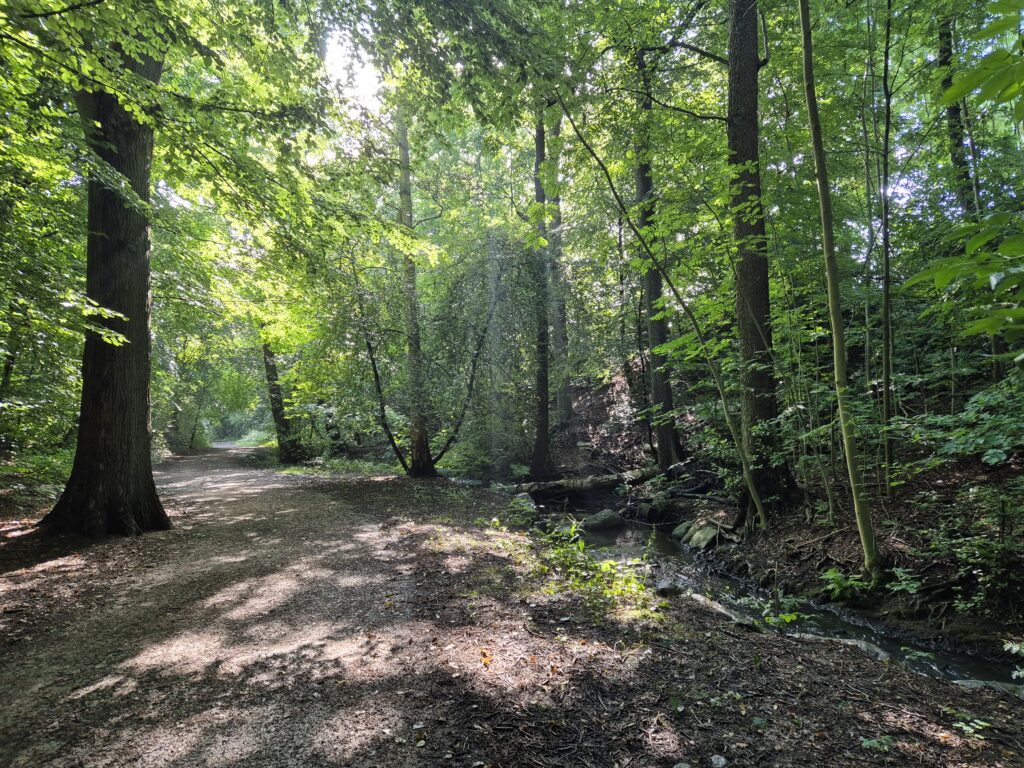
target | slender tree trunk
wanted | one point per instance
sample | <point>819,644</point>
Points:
<point>560,325</point>
<point>111,488</point>
<point>862,513</point>
<point>421,464</point>
<point>288,451</point>
<point>668,448</point>
<point>887,342</point>
<point>539,463</point>
<point>760,405</point>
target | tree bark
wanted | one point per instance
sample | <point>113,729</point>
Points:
<point>862,513</point>
<point>667,440</point>
<point>111,488</point>
<point>540,460</point>
<point>963,184</point>
<point>759,405</point>
<point>421,463</point>
<point>887,341</point>
<point>288,451</point>
<point>560,324</point>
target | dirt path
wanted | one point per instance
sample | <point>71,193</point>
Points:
<point>292,621</point>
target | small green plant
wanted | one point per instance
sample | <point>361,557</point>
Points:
<point>566,554</point>
<point>520,512</point>
<point>879,743</point>
<point>1017,649</point>
<point>780,611</point>
<point>839,586</point>
<point>914,654</point>
<point>972,727</point>
<point>967,723</point>
<point>905,581</point>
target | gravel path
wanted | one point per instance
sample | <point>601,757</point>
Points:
<point>296,621</point>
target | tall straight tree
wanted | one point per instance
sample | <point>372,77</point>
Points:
<point>666,437</point>
<point>760,405</point>
<point>111,488</point>
<point>420,461</point>
<point>862,513</point>
<point>964,186</point>
<point>560,287</point>
<point>887,342</point>
<point>541,457</point>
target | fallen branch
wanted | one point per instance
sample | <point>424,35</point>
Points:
<point>586,483</point>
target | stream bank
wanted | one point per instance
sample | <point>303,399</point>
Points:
<point>722,574</point>
<point>679,569</point>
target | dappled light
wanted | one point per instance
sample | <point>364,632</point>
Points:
<point>511,384</point>
<point>362,638</point>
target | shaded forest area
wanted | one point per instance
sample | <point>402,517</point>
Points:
<point>745,274</point>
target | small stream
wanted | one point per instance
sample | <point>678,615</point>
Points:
<point>675,568</point>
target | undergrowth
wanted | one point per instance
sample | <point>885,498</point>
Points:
<point>603,583</point>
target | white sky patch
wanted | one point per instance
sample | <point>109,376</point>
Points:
<point>353,73</point>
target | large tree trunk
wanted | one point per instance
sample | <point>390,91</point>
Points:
<point>760,404</point>
<point>862,513</point>
<point>667,440</point>
<point>111,488</point>
<point>288,450</point>
<point>421,464</point>
<point>963,184</point>
<point>540,460</point>
<point>560,324</point>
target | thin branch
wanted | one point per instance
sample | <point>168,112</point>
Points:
<point>673,107</point>
<point>701,52</point>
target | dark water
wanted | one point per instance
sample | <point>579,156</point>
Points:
<point>671,565</point>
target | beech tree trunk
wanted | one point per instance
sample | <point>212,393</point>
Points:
<point>288,451</point>
<point>540,460</point>
<point>862,513</point>
<point>420,461</point>
<point>111,488</point>
<point>667,440</point>
<point>760,405</point>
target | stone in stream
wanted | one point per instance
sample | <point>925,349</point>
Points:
<point>605,520</point>
<point>682,529</point>
<point>702,537</point>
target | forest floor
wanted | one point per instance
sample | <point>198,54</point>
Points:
<point>294,621</point>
